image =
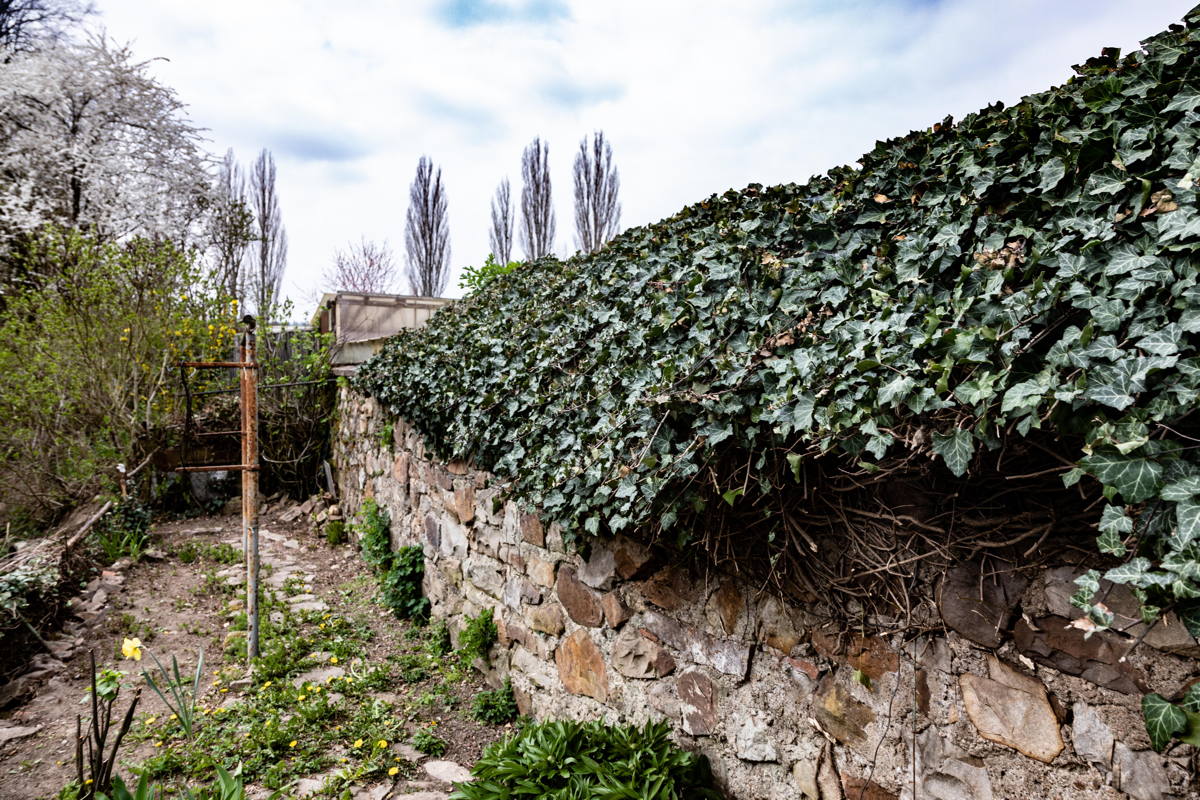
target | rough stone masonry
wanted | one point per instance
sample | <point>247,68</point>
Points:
<point>1008,701</point>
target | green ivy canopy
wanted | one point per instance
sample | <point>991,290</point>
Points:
<point>1028,270</point>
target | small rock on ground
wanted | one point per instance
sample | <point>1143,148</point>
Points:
<point>447,771</point>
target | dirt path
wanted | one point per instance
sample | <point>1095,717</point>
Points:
<point>342,677</point>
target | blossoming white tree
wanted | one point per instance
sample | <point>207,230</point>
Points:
<point>89,140</point>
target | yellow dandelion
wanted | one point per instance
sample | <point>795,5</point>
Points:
<point>301,697</point>
<point>358,743</point>
<point>267,685</point>
<point>292,743</point>
<point>158,744</point>
<point>393,770</point>
<point>174,716</point>
<point>381,743</point>
<point>333,659</point>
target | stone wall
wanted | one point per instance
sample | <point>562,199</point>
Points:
<point>1008,701</point>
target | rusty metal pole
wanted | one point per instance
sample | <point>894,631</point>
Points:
<point>249,386</point>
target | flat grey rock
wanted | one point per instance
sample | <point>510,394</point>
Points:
<point>447,771</point>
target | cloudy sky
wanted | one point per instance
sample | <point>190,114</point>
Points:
<point>696,97</point>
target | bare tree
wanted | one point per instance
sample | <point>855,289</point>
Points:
<point>597,209</point>
<point>501,234</point>
<point>537,207</point>
<point>427,232</point>
<point>364,267</point>
<point>269,257</point>
<point>231,228</point>
<point>23,23</point>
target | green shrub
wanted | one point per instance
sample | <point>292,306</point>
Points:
<point>437,639</point>
<point>589,760</point>
<point>497,706</point>
<point>123,531</point>
<point>375,533</point>
<point>335,532</point>
<point>475,278</point>
<point>477,638</point>
<point>400,586</point>
<point>426,742</point>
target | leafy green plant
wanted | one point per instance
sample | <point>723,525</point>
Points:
<point>335,532</point>
<point>387,435</point>
<point>400,587</point>
<point>477,637</point>
<point>589,760</point>
<point>1166,720</point>
<point>475,278</point>
<point>428,743</point>
<point>123,531</point>
<point>375,535</point>
<point>183,694</point>
<point>496,706</point>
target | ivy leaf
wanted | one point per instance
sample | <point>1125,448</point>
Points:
<point>1134,572</point>
<point>1182,489</point>
<point>1051,173</point>
<point>956,449</point>
<point>1126,259</point>
<point>1187,524</point>
<point>1136,479</point>
<point>1186,101</point>
<point>1191,699</point>
<point>1190,616</point>
<point>1163,720</point>
<point>895,388</point>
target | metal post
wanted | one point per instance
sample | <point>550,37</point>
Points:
<point>249,386</point>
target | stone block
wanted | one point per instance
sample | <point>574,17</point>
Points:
<point>600,569</point>
<point>581,602</point>
<point>1013,710</point>
<point>726,607</point>
<point>546,618</point>
<point>979,606</point>
<point>454,539</point>
<point>541,571</point>
<point>1092,739</point>
<point>1052,642</point>
<point>752,739</point>
<point>532,531</point>
<point>670,588</point>
<point>464,502</point>
<point>635,656</point>
<point>840,715</point>
<point>581,666</point>
<point>483,574</point>
<point>518,591</point>
<point>724,655</point>
<point>616,613</point>
<point>697,703</point>
<point>1140,773</point>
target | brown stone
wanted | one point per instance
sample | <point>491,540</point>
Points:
<point>400,467</point>
<point>872,656</point>
<point>616,613</point>
<point>458,468</point>
<point>635,656</point>
<point>729,656</point>
<point>669,588</point>
<point>546,618</point>
<point>806,667</point>
<point>922,691</point>
<point>728,605</point>
<point>839,714</point>
<point>464,503</point>
<point>1052,642</point>
<point>630,556</point>
<point>978,606</point>
<point>581,603</point>
<point>524,704</point>
<point>532,531</point>
<point>697,703</point>
<point>1012,709</point>
<point>865,789</point>
<point>541,571</point>
<point>776,626</point>
<point>432,531</point>
<point>581,666</point>
<point>509,632</point>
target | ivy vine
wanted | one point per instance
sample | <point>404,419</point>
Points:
<point>1028,268</point>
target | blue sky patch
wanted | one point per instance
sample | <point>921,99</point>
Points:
<point>468,13</point>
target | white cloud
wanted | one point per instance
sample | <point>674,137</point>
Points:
<point>695,97</point>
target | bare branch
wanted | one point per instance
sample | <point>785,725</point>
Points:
<point>501,234</point>
<point>364,267</point>
<point>231,228</point>
<point>597,210</point>
<point>427,233</point>
<point>537,207</point>
<point>26,23</point>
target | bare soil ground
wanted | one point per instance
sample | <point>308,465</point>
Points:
<point>179,608</point>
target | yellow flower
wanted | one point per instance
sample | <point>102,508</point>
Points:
<point>333,659</point>
<point>267,685</point>
<point>381,743</point>
<point>132,648</point>
<point>150,720</point>
<point>89,780</point>
<point>316,689</point>
<point>359,743</point>
<point>158,744</point>
<point>174,716</point>
<point>301,697</point>
<point>292,743</point>
<point>393,770</point>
